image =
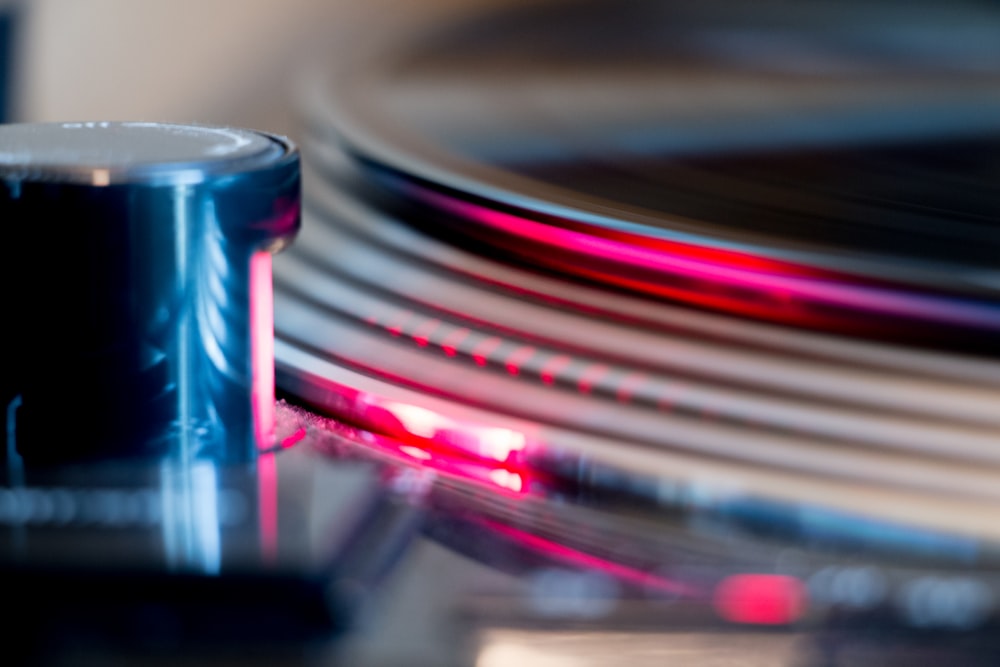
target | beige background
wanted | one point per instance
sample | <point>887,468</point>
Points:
<point>222,61</point>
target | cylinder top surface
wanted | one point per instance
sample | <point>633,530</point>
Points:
<point>127,150</point>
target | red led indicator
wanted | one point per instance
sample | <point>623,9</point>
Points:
<point>760,599</point>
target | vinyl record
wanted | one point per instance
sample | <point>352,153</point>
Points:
<point>762,276</point>
<point>786,167</point>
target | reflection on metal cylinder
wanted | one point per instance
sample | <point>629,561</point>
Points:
<point>131,288</point>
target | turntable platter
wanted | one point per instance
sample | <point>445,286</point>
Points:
<point>855,198</point>
<point>603,265</point>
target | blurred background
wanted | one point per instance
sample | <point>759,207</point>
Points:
<point>215,61</point>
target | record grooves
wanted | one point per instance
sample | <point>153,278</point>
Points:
<point>406,322</point>
<point>627,337</point>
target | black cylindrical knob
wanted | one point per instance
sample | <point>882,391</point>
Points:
<point>137,289</point>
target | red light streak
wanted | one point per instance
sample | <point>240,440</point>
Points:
<point>415,452</point>
<point>267,506</point>
<point>711,276</point>
<point>454,466</point>
<point>760,599</point>
<point>262,348</point>
<point>293,439</point>
<point>581,559</point>
<point>462,450</point>
<point>439,433</point>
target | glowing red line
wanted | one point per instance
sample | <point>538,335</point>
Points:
<point>262,348</point>
<point>591,562</point>
<point>267,494</point>
<point>721,267</point>
<point>293,438</point>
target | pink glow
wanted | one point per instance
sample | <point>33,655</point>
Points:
<point>262,348</point>
<point>506,479</point>
<point>267,506</point>
<point>452,465</point>
<point>760,599</point>
<point>783,282</point>
<point>294,438</point>
<point>415,452</point>
<point>582,559</point>
<point>442,433</point>
<point>462,449</point>
<point>418,421</point>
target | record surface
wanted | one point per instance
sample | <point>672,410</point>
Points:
<point>827,180</point>
<point>592,259</point>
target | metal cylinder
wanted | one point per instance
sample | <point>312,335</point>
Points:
<point>137,288</point>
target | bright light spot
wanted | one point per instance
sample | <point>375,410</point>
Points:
<point>415,452</point>
<point>506,655</point>
<point>760,599</point>
<point>100,177</point>
<point>498,443</point>
<point>416,420</point>
<point>507,480</point>
<point>262,348</point>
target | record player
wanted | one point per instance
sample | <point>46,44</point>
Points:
<point>614,333</point>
